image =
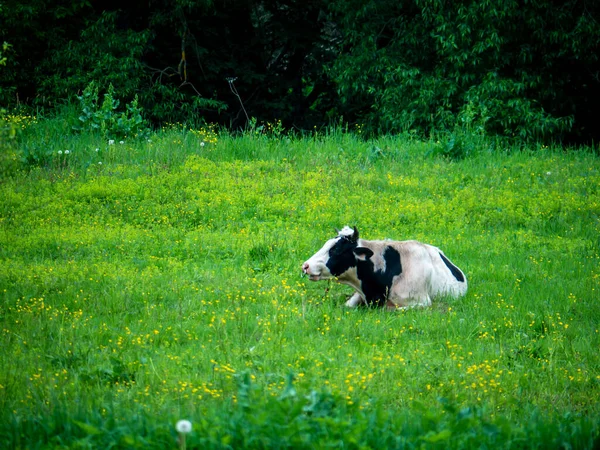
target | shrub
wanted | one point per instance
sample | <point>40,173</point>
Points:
<point>106,118</point>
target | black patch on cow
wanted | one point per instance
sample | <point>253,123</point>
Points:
<point>341,257</point>
<point>376,284</point>
<point>455,270</point>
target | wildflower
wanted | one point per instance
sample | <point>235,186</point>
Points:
<point>60,152</point>
<point>548,173</point>
<point>97,150</point>
<point>121,142</point>
<point>183,426</point>
<point>67,152</point>
<point>111,141</point>
<point>99,163</point>
<point>202,144</point>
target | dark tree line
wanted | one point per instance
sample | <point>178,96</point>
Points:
<point>520,68</point>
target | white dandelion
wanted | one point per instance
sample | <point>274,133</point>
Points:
<point>183,426</point>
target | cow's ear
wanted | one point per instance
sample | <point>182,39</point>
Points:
<point>363,253</point>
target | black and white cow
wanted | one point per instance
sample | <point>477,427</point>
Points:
<point>396,274</point>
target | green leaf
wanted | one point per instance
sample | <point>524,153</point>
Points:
<point>438,437</point>
<point>87,428</point>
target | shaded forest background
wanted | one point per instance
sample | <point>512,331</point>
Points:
<point>523,69</point>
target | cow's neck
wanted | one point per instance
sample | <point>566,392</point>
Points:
<point>350,278</point>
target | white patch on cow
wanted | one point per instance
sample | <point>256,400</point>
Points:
<point>315,267</point>
<point>346,231</point>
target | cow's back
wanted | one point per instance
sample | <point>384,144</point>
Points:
<point>447,278</point>
<point>426,271</point>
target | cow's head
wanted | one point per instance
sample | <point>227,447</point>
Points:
<point>336,257</point>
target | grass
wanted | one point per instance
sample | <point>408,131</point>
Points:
<point>149,281</point>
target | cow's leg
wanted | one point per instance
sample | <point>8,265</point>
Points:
<point>355,300</point>
<point>421,302</point>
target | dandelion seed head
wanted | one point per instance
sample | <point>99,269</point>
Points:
<point>111,141</point>
<point>183,426</point>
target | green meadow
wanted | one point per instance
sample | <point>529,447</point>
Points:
<point>145,281</point>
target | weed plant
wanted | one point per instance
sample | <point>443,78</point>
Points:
<point>143,281</point>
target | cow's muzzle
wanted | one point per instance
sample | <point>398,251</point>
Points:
<point>311,276</point>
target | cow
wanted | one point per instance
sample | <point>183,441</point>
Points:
<point>392,274</point>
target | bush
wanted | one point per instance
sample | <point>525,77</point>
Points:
<point>528,70</point>
<point>106,118</point>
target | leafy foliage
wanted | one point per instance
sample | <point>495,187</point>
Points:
<point>102,53</point>
<point>32,26</point>
<point>526,71</point>
<point>177,57</point>
<point>8,126</point>
<point>105,118</point>
<point>422,64</point>
<point>5,47</point>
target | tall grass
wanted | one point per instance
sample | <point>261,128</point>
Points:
<point>154,280</point>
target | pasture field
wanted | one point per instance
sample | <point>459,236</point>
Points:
<point>147,281</point>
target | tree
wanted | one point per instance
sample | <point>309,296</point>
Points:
<point>529,70</point>
<point>523,69</point>
<point>178,56</point>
